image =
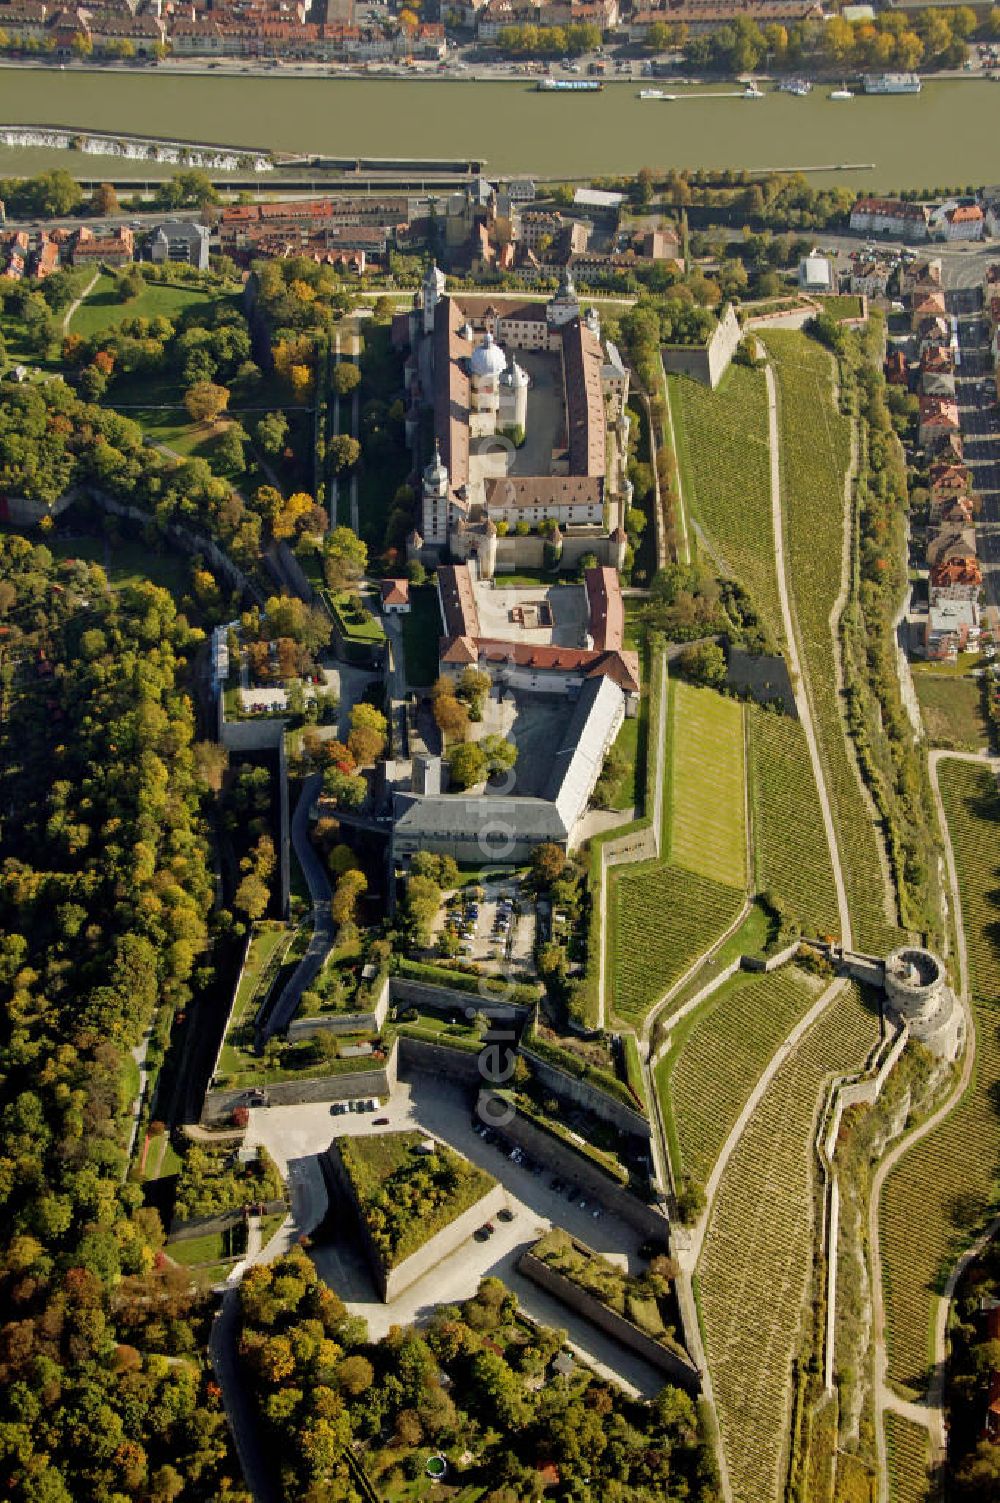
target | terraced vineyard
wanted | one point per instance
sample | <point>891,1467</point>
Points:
<point>758,1251</point>
<point>815,457</point>
<point>791,854</point>
<point>708,787</point>
<point>908,1455</point>
<point>718,1058</point>
<point>661,920</point>
<point>722,448</point>
<point>946,1185</point>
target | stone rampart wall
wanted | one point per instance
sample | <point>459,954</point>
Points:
<point>678,1369</point>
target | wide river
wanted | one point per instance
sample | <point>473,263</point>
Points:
<point>945,136</point>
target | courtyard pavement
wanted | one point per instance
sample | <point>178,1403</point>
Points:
<point>295,1136</point>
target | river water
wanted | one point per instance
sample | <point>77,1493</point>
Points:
<point>942,137</point>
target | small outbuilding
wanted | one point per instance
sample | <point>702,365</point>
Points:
<point>816,273</point>
<point>395,596</point>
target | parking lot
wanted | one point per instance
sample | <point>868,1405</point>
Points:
<point>295,1135</point>
<point>495,929</point>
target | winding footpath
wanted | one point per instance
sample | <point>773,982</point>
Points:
<point>930,1412</point>
<point>68,318</point>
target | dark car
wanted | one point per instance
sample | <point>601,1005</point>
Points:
<point>381,1122</point>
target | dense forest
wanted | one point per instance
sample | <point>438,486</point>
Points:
<point>105,892</point>
<point>479,1377</point>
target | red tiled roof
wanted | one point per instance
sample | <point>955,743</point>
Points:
<point>395,591</point>
<point>606,608</point>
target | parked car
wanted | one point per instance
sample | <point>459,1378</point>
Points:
<point>382,1122</point>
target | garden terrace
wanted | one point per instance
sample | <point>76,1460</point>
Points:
<point>718,1053</point>
<point>311,1058</point>
<point>757,1256</point>
<point>791,855</point>
<point>213,1180</point>
<point>943,1190</point>
<point>722,450</point>
<point>352,619</point>
<point>645,1300</point>
<point>406,1196</point>
<point>265,954</point>
<point>340,988</point>
<point>815,460</point>
<point>580,1069</point>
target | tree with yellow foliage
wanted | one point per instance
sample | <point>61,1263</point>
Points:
<point>300,377</point>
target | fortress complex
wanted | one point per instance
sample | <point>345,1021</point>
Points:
<point>562,683</point>
<point>530,428</point>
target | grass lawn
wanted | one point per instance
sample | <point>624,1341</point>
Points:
<point>193,1251</point>
<point>421,630</point>
<point>127,563</point>
<point>103,310</point>
<point>355,625</point>
<point>627,785</point>
<point>162,1160</point>
<point>842,305</point>
<point>707,793</point>
<point>952,710</point>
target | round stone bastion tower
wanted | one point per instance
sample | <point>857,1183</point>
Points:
<point>916,987</point>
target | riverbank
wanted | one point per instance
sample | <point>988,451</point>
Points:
<point>943,135</point>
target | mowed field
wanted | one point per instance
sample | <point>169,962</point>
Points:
<point>756,1261</point>
<point>708,787</point>
<point>103,309</point>
<point>662,915</point>
<point>791,855</point>
<point>719,1053</point>
<point>948,1185</point>
<point>952,710</point>
<point>725,471</point>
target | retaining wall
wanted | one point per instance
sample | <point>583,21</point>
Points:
<point>561,1158</point>
<point>348,1086</point>
<point>417,1055</point>
<point>448,999</point>
<point>392,1282</point>
<point>344,1022</point>
<point>201,1226</point>
<point>677,1369</point>
<point>772,963</point>
<point>590,1097</point>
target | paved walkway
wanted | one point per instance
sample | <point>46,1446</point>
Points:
<point>321,943</point>
<point>801,693</point>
